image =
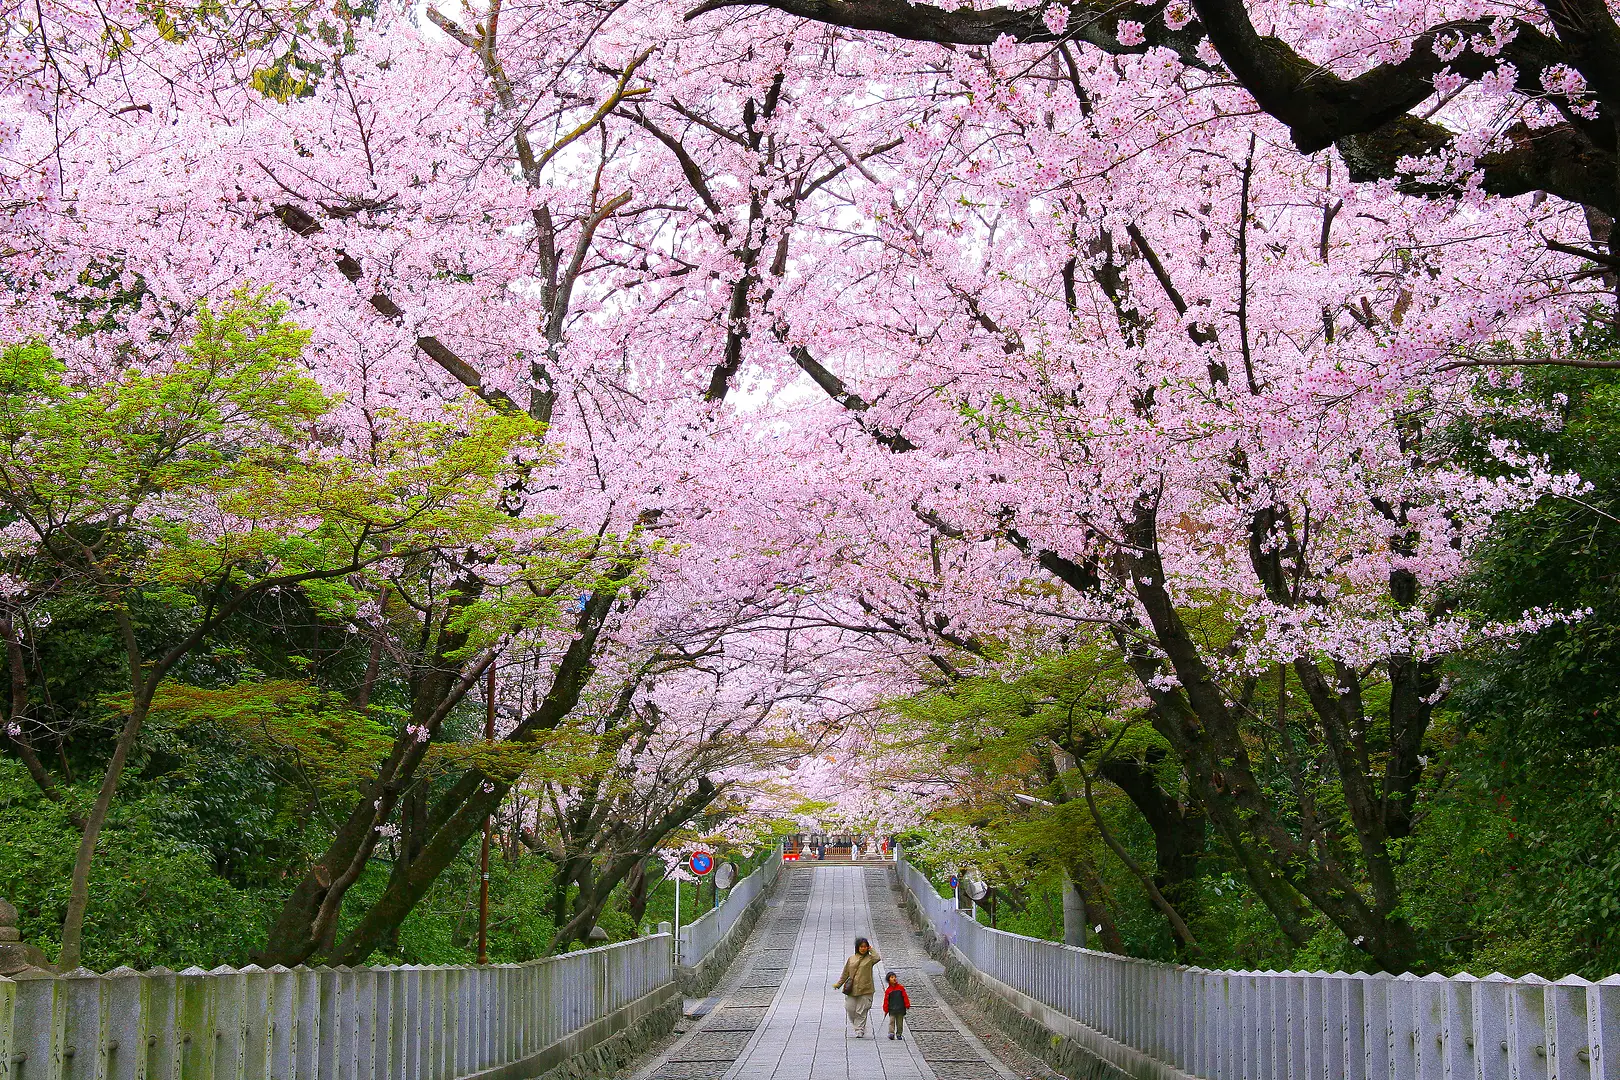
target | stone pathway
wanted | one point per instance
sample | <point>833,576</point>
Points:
<point>778,1018</point>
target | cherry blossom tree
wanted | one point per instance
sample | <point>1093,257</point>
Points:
<point>893,358</point>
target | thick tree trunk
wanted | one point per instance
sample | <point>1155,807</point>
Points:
<point>595,889</point>
<point>1094,897</point>
<point>1180,827</point>
<point>459,813</point>
<point>1075,927</point>
<point>636,885</point>
<point>79,893</point>
<point>589,903</point>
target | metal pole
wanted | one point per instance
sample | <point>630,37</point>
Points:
<point>483,882</point>
<point>677,918</point>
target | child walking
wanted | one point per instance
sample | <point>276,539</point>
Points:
<point>895,1003</point>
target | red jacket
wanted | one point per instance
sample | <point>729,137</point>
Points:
<point>888,995</point>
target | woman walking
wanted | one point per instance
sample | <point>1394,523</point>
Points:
<point>858,986</point>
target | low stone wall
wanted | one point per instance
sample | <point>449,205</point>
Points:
<point>1072,1049</point>
<point>700,978</point>
<point>606,1057</point>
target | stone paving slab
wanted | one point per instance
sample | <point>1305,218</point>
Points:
<point>961,1070</point>
<point>940,1046</point>
<point>691,1070</point>
<point>927,1018</point>
<point>743,1019</point>
<point>753,995</point>
<point>711,1045</point>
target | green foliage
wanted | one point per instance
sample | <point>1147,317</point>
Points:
<point>83,455</point>
<point>157,897</point>
<point>329,744</point>
<point>443,928</point>
<point>1537,727</point>
<point>192,868</point>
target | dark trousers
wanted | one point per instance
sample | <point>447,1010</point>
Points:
<point>897,1022</point>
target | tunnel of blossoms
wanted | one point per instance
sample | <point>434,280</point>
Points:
<point>1069,436</point>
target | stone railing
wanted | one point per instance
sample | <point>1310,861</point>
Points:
<point>1118,1016</point>
<point>374,1023</point>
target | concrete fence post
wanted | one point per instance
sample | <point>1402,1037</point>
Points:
<point>258,1022</point>
<point>355,1012</point>
<point>1401,1035</point>
<point>1273,1024</point>
<point>1527,1029</point>
<point>1228,1039</point>
<point>1254,1028</point>
<point>1429,1026</point>
<point>445,986</point>
<point>1375,991</point>
<point>1335,1019</point>
<point>1603,1028</point>
<point>1186,1030</point>
<point>284,1012</point>
<point>458,1034</point>
<point>1459,1028</point>
<point>194,1021</point>
<point>1313,1021</point>
<point>229,989</point>
<point>127,1007</point>
<point>82,1038</point>
<point>1569,1052</point>
<point>163,1043</point>
<point>1355,1024</point>
<point>366,1012</point>
<point>8,1015</point>
<point>407,1017</point>
<point>1491,1027</point>
<point>1146,979</point>
<point>1204,1024</point>
<point>307,1022</point>
<point>40,1017</point>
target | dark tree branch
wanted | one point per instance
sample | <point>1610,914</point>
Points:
<point>303,223</point>
<point>1369,117</point>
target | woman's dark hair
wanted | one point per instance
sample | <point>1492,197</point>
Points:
<point>861,941</point>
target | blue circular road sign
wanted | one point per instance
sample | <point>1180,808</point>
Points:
<point>701,862</point>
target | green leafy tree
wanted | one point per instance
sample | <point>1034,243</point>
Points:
<point>1535,760</point>
<point>202,481</point>
<point>1065,728</point>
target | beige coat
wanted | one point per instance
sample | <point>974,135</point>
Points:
<point>857,976</point>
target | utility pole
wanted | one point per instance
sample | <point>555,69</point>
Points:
<point>489,819</point>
